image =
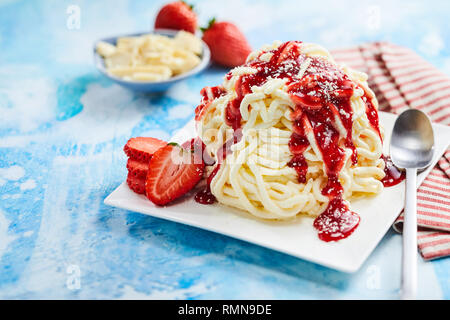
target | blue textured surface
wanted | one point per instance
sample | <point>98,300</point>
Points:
<point>63,126</point>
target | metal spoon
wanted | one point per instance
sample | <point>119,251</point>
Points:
<point>412,148</point>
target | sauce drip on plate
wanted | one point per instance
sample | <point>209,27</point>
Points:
<point>337,221</point>
<point>393,175</point>
<point>205,196</point>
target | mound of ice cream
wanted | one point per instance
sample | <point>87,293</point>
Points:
<point>292,132</point>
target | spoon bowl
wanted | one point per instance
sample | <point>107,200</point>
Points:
<point>412,142</point>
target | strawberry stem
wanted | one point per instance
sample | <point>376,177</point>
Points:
<point>210,24</point>
<point>191,6</point>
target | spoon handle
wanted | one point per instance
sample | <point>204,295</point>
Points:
<point>409,257</point>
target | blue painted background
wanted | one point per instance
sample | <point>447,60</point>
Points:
<point>63,126</point>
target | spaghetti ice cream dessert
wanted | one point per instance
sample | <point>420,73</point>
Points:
<point>291,132</point>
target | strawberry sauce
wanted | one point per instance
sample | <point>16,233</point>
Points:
<point>208,95</point>
<point>205,196</point>
<point>372,114</point>
<point>298,162</point>
<point>321,93</point>
<point>393,175</point>
<point>337,221</point>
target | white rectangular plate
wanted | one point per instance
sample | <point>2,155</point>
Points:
<point>297,237</point>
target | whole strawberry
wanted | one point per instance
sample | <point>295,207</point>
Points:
<point>227,43</point>
<point>178,16</point>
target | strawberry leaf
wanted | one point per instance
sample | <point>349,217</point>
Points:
<point>191,6</point>
<point>210,24</point>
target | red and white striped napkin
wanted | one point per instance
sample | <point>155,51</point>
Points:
<point>401,79</point>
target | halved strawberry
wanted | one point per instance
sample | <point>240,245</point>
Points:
<point>142,148</point>
<point>136,184</point>
<point>172,172</point>
<point>137,168</point>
